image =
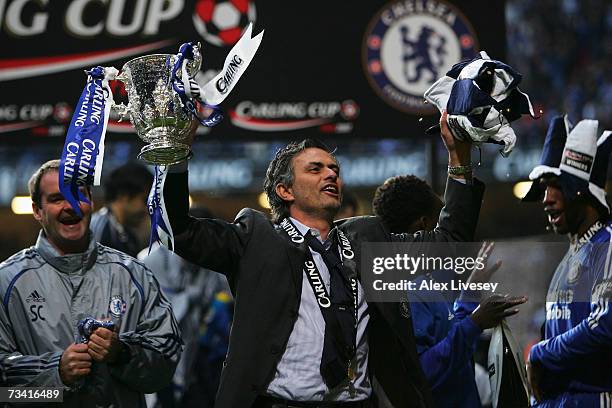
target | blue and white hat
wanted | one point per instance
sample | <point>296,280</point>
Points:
<point>577,157</point>
<point>481,98</point>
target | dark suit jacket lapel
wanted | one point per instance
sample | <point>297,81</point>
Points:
<point>296,254</point>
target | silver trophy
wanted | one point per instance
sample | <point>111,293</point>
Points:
<point>155,109</point>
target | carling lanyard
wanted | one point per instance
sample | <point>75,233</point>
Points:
<point>314,276</point>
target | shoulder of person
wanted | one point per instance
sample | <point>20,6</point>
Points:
<point>99,218</point>
<point>251,213</point>
<point>21,262</point>
<point>254,219</point>
<point>600,247</point>
<point>604,235</point>
<point>110,255</point>
<point>100,226</point>
<point>368,225</point>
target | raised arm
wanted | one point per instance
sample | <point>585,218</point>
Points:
<point>462,198</point>
<point>211,243</point>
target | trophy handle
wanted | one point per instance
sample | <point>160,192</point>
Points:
<point>194,65</point>
<point>122,77</point>
<point>122,109</point>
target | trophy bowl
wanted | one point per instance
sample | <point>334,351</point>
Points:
<point>155,109</point>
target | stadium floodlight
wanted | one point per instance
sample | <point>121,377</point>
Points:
<point>521,188</point>
<point>21,205</point>
<point>263,201</point>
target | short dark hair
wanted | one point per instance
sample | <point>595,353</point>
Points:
<point>130,179</point>
<point>34,182</point>
<point>280,171</point>
<point>402,200</point>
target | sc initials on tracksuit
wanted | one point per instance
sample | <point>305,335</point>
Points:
<point>36,307</point>
<point>36,312</point>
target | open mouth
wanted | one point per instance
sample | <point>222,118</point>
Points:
<point>554,216</point>
<point>70,220</point>
<point>331,189</point>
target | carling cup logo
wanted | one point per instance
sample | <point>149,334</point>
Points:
<point>409,44</point>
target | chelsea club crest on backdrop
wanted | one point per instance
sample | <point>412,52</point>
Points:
<point>409,44</point>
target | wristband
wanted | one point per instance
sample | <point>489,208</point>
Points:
<point>460,170</point>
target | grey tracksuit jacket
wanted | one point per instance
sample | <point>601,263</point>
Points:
<point>44,295</point>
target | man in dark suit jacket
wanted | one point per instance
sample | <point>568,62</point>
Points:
<point>277,339</point>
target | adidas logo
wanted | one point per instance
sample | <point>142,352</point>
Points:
<point>35,297</point>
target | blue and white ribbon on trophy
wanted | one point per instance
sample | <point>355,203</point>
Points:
<point>218,88</point>
<point>83,152</point>
<point>188,89</point>
<point>190,93</point>
<point>161,230</point>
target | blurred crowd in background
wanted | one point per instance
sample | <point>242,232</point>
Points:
<point>563,48</point>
